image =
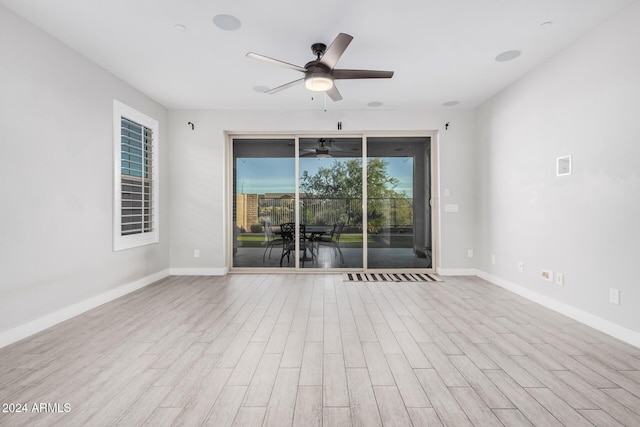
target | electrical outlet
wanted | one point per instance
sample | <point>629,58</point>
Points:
<point>493,259</point>
<point>196,253</point>
<point>547,275</point>
<point>614,296</point>
<point>560,279</point>
<point>470,253</point>
<point>521,267</point>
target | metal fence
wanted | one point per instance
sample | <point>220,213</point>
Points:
<point>383,212</point>
<point>276,211</point>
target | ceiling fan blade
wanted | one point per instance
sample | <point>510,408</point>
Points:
<point>361,74</point>
<point>285,86</point>
<point>275,61</point>
<point>335,51</point>
<point>334,94</point>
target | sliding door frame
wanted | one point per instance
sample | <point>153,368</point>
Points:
<point>434,200</point>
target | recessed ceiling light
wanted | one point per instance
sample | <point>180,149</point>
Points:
<point>180,27</point>
<point>227,22</point>
<point>375,104</point>
<point>508,55</point>
<point>450,104</point>
<point>260,89</point>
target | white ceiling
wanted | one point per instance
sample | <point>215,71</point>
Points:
<point>440,50</point>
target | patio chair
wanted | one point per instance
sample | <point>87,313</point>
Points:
<point>333,240</point>
<point>288,234</point>
<point>271,239</point>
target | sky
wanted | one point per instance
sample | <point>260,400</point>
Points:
<point>277,175</point>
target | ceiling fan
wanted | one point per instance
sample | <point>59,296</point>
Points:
<point>321,150</point>
<point>319,74</point>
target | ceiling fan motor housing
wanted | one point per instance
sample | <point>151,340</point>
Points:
<point>318,49</point>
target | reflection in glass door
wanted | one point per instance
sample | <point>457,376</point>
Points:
<point>330,190</point>
<point>398,211</point>
<point>263,198</point>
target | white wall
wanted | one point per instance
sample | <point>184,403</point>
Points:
<point>56,173</point>
<point>198,172</point>
<point>585,102</point>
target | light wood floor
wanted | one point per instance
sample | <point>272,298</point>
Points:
<point>311,350</point>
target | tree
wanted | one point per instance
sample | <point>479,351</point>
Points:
<point>343,180</point>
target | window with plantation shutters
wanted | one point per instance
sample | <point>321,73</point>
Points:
<point>136,151</point>
<point>136,178</point>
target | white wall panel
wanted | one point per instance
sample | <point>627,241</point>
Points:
<point>585,102</point>
<point>198,174</point>
<point>56,178</point>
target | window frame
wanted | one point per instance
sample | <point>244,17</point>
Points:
<point>120,241</point>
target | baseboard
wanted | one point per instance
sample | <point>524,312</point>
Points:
<point>620,332</point>
<point>456,271</point>
<point>35,326</point>
<point>199,271</point>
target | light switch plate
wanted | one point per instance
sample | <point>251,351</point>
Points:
<point>563,166</point>
<point>451,208</point>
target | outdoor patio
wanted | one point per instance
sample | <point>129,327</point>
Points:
<point>391,237</point>
<point>378,257</point>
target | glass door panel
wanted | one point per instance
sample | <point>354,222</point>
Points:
<point>263,198</point>
<point>330,190</point>
<point>398,211</point>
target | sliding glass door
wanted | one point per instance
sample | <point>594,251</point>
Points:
<point>264,182</point>
<point>398,203</point>
<point>330,188</point>
<point>320,202</point>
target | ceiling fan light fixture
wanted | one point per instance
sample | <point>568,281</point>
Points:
<point>317,83</point>
<point>322,152</point>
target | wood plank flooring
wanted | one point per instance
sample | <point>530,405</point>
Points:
<point>310,350</point>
